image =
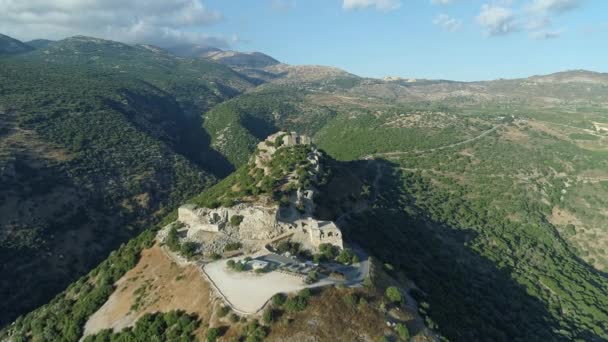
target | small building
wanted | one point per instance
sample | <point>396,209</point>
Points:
<point>258,265</point>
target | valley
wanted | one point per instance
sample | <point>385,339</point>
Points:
<point>482,203</point>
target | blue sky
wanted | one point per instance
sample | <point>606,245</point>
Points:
<point>449,39</point>
<point>425,40</point>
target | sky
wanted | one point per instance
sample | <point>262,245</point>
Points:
<point>440,39</point>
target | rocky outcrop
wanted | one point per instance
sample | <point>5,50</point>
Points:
<point>258,223</point>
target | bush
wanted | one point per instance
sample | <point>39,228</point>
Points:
<point>213,334</point>
<point>188,249</point>
<point>278,299</point>
<point>393,294</point>
<point>233,246</point>
<point>402,332</point>
<point>236,220</point>
<point>346,256</point>
<point>268,316</point>
<point>223,311</point>
<point>295,304</point>
<point>305,293</point>
<point>234,318</point>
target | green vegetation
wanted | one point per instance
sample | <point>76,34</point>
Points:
<point>347,257</point>
<point>170,326</point>
<point>64,317</point>
<point>583,136</point>
<point>299,302</point>
<point>402,332</point>
<point>233,246</point>
<point>238,266</point>
<point>236,220</point>
<point>254,332</point>
<point>394,295</point>
<point>109,140</point>
<point>213,334</point>
<point>278,300</point>
<point>187,248</point>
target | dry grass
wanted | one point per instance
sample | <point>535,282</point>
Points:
<point>155,284</point>
<point>329,318</point>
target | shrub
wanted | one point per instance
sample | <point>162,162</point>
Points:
<point>278,299</point>
<point>233,246</point>
<point>268,316</point>
<point>223,311</point>
<point>345,256</point>
<point>213,334</point>
<point>236,220</point>
<point>305,293</point>
<point>188,249</point>
<point>393,294</point>
<point>402,332</point>
<point>295,304</point>
<point>234,318</point>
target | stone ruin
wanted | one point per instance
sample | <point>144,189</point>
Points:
<point>324,232</point>
<point>293,138</point>
<point>259,223</point>
<point>266,223</point>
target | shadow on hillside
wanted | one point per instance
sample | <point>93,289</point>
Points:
<point>160,116</point>
<point>470,298</point>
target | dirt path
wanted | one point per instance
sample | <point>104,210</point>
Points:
<point>397,153</point>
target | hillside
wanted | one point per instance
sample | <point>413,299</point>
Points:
<point>11,46</point>
<point>147,277</point>
<point>108,141</point>
<point>483,202</point>
<point>234,59</point>
<point>504,176</point>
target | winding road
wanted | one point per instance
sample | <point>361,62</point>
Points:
<point>397,153</point>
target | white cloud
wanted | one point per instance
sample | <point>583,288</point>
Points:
<point>383,5</point>
<point>541,13</point>
<point>555,6</point>
<point>447,22</point>
<point>161,22</point>
<point>544,35</point>
<point>442,2</point>
<point>497,20</point>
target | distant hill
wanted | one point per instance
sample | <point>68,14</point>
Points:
<point>39,43</point>
<point>231,58</point>
<point>12,46</point>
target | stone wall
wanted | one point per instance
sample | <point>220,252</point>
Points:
<point>324,232</point>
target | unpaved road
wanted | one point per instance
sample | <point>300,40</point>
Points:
<point>397,153</point>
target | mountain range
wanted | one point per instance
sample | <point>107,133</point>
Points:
<point>491,195</point>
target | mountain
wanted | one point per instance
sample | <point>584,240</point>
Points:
<point>106,143</point>
<point>482,203</point>
<point>234,59</point>
<point>11,46</point>
<point>39,43</point>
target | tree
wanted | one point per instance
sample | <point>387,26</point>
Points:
<point>188,249</point>
<point>213,334</point>
<point>393,294</point>
<point>402,332</point>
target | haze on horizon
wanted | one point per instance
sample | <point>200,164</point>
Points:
<point>463,40</point>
